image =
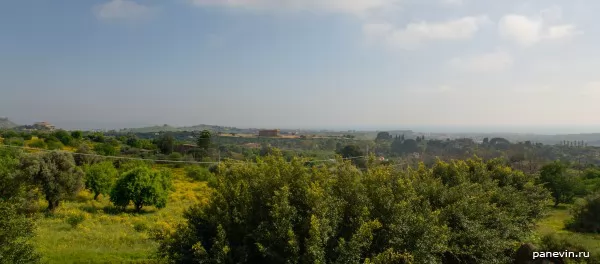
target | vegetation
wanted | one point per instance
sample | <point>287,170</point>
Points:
<point>100,177</point>
<point>142,187</point>
<point>56,174</point>
<point>563,186</point>
<point>586,216</point>
<point>459,212</point>
<point>16,232</point>
<point>427,200</point>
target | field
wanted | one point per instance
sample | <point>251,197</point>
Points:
<point>555,223</point>
<point>108,237</point>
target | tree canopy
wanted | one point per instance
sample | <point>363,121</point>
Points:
<point>56,174</point>
<point>142,186</point>
<point>280,212</point>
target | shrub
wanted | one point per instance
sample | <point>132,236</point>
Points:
<point>14,141</point>
<point>75,219</point>
<point>586,215</point>
<point>16,232</point>
<point>198,173</point>
<point>140,226</point>
<point>105,149</point>
<point>277,212</point>
<point>54,144</point>
<point>38,143</point>
<point>142,186</point>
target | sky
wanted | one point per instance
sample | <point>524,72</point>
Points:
<point>389,64</point>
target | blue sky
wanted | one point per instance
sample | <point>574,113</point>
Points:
<point>301,63</point>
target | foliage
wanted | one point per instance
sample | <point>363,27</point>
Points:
<point>561,184</point>
<point>14,141</point>
<point>38,143</point>
<point>100,177</point>
<point>203,140</point>
<point>106,149</point>
<point>143,187</point>
<point>354,153</point>
<point>12,180</point>
<point>383,136</point>
<point>77,134</point>
<point>84,156</point>
<point>279,212</point>
<point>15,233</point>
<point>586,216</point>
<point>54,144</point>
<point>401,146</point>
<point>56,174</point>
<point>165,143</point>
<point>96,137</point>
<point>200,174</point>
<point>75,219</point>
<point>64,137</point>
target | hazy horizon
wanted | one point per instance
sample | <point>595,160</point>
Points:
<point>519,66</point>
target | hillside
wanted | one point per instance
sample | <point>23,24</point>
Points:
<point>6,123</point>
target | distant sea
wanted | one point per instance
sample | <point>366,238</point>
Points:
<point>542,130</point>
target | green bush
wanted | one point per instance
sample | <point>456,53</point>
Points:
<point>142,186</point>
<point>75,219</point>
<point>198,173</point>
<point>38,143</point>
<point>14,141</point>
<point>586,215</point>
<point>140,226</point>
<point>54,145</point>
<point>273,211</point>
<point>16,233</point>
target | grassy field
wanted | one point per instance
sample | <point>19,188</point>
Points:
<point>555,223</point>
<point>108,236</point>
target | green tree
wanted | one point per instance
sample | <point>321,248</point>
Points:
<point>383,136</point>
<point>16,233</point>
<point>106,149</point>
<point>12,180</point>
<point>561,184</point>
<point>100,177</point>
<point>77,134</point>
<point>275,211</point>
<point>203,140</point>
<point>166,143</point>
<point>56,174</point>
<point>586,216</point>
<point>353,153</point>
<point>64,137</point>
<point>142,186</point>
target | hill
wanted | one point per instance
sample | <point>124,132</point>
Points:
<point>6,123</point>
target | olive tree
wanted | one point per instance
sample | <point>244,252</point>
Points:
<point>56,174</point>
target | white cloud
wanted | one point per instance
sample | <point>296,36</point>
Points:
<point>527,31</point>
<point>416,33</point>
<point>122,10</point>
<point>489,62</point>
<point>346,6</point>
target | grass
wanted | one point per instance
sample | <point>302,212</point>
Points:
<point>108,236</point>
<point>555,222</point>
